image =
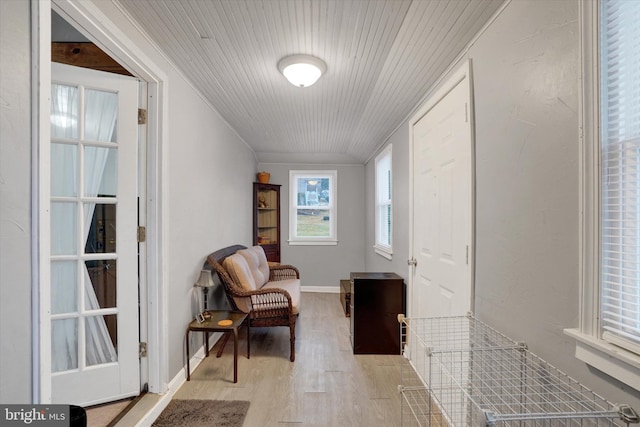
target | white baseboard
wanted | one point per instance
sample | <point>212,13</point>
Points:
<point>177,381</point>
<point>321,289</point>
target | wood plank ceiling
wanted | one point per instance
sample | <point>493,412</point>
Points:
<point>382,58</point>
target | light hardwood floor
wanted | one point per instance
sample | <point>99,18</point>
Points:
<point>326,386</point>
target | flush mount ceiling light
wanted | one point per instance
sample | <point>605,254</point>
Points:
<point>302,70</point>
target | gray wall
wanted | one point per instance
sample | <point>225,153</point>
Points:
<point>15,203</point>
<point>209,190</point>
<point>326,265</point>
<point>526,77</point>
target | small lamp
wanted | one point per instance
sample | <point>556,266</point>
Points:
<point>205,281</point>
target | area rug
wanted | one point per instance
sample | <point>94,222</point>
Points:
<point>192,413</point>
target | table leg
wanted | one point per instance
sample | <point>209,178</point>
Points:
<point>188,370</point>
<point>225,338</point>
<point>206,341</point>
<point>248,339</point>
<point>235,355</point>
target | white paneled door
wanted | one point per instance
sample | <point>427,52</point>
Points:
<point>442,282</point>
<point>94,277</point>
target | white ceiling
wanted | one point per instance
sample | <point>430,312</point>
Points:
<point>382,57</point>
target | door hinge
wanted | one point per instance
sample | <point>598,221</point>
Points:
<point>142,116</point>
<point>142,350</point>
<point>413,262</point>
<point>142,234</point>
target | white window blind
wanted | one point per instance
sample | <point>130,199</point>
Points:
<point>383,200</point>
<point>620,172</point>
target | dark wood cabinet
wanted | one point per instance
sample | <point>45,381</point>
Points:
<point>345,296</point>
<point>266,219</point>
<point>376,301</point>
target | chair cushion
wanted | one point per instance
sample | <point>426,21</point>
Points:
<point>290,285</point>
<point>243,303</point>
<point>257,261</point>
<point>240,272</point>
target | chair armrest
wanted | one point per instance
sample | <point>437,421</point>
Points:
<point>271,302</point>
<point>282,272</point>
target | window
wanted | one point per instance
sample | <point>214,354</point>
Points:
<point>383,245</point>
<point>609,333</point>
<point>312,217</point>
<point>620,169</point>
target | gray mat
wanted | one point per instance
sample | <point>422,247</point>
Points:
<point>187,413</point>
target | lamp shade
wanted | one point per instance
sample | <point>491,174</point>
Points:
<point>205,280</point>
<point>302,70</point>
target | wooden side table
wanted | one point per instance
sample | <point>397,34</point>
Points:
<point>210,324</point>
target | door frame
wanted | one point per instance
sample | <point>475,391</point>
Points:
<point>459,74</point>
<point>92,22</point>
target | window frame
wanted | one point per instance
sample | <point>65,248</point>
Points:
<point>591,348</point>
<point>332,239</point>
<point>383,249</point>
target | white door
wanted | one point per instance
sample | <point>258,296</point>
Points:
<point>94,278</point>
<point>442,203</point>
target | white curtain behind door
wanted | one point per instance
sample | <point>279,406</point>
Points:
<point>100,125</point>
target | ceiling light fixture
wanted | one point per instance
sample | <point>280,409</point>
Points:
<point>302,70</point>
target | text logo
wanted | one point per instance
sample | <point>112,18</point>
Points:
<point>35,415</point>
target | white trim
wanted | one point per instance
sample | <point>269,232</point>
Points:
<point>383,251</point>
<point>172,388</point>
<point>157,229</point>
<point>410,266</point>
<point>40,215</point>
<point>608,358</point>
<point>589,219</point>
<point>142,222</point>
<point>321,289</point>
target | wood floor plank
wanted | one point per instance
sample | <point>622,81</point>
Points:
<point>326,386</point>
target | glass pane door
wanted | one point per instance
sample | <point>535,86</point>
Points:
<point>93,222</point>
<point>83,241</point>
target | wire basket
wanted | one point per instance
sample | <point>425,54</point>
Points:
<point>458,371</point>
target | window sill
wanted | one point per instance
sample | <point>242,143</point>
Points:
<point>312,242</point>
<point>615,361</point>
<point>383,252</point>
